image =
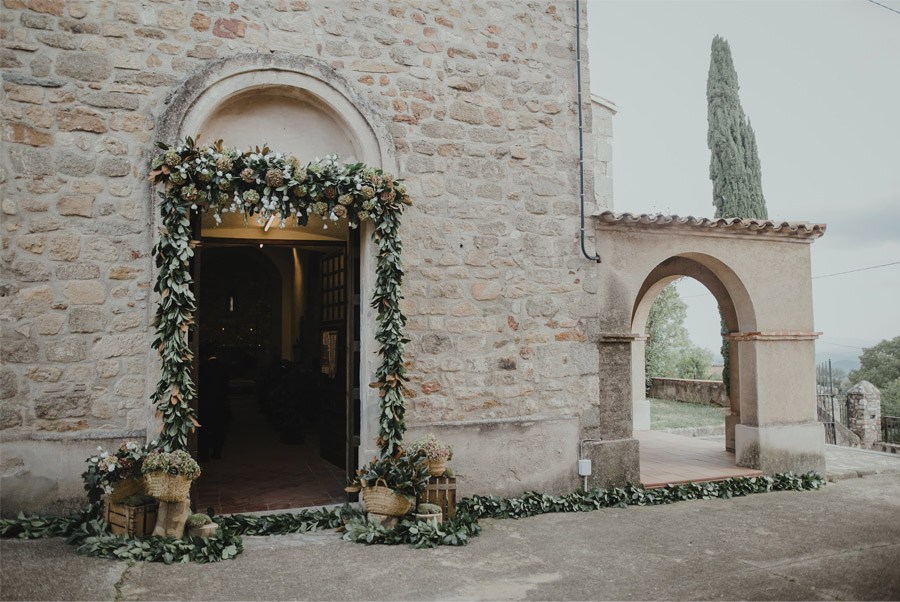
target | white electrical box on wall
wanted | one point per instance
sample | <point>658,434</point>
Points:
<point>584,468</point>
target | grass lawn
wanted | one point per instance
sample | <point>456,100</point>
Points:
<point>676,414</point>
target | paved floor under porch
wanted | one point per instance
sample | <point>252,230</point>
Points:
<point>668,459</point>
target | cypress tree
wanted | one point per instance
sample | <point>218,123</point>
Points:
<point>734,166</point>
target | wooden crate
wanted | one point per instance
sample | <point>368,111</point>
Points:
<point>133,521</point>
<point>442,492</point>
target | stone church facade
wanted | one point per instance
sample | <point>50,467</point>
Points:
<point>474,105</point>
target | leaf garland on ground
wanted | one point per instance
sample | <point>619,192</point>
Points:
<point>262,184</point>
<point>91,536</point>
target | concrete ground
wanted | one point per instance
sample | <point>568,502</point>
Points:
<point>838,543</point>
<point>849,463</point>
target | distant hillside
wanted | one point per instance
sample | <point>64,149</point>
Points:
<point>845,359</point>
<point>847,365</point>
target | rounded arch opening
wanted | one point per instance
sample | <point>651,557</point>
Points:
<point>721,281</point>
<point>736,310</point>
<point>220,82</point>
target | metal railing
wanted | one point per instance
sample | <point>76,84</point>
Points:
<point>830,410</point>
<point>890,429</point>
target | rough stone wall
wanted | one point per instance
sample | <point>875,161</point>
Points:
<point>864,412</point>
<point>481,98</point>
<point>694,391</point>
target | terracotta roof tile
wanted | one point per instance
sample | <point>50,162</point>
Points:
<point>730,225</point>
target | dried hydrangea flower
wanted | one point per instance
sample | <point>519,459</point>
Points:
<point>224,163</point>
<point>274,178</point>
<point>172,157</point>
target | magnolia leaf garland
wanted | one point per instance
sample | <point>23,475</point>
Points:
<point>262,184</point>
<point>92,538</point>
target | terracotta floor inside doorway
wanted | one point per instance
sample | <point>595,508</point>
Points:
<point>670,459</point>
<point>257,472</point>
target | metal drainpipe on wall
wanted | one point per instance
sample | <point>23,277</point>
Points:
<point>584,466</point>
<point>596,257</point>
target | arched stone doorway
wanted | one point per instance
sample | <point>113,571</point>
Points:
<point>298,106</point>
<point>760,274</point>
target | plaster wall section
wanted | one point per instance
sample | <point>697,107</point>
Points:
<point>786,372</point>
<point>479,102</point>
<point>602,112</point>
<point>765,270</point>
<point>507,457</point>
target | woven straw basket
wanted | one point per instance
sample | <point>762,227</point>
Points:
<point>126,488</point>
<point>437,468</point>
<point>166,487</point>
<point>381,499</point>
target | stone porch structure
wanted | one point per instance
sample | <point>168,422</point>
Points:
<point>759,272</point>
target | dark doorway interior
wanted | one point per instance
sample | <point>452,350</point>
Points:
<point>273,378</point>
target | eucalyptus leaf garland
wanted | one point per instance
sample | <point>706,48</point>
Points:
<point>265,185</point>
<point>91,536</point>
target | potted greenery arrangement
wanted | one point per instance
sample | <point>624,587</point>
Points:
<point>431,513</point>
<point>201,525</point>
<point>389,485</point>
<point>168,475</point>
<point>436,453</point>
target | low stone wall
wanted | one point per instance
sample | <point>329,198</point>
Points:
<point>888,448</point>
<point>692,391</point>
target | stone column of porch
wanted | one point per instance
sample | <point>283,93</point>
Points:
<point>607,427</point>
<point>641,408</point>
<point>778,430</point>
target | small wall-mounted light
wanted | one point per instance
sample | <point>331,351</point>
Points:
<point>260,245</point>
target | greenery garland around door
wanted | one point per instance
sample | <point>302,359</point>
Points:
<point>264,185</point>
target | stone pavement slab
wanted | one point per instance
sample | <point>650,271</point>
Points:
<point>49,569</point>
<point>851,462</point>
<point>842,542</point>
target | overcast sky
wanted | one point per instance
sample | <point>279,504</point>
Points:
<point>820,82</point>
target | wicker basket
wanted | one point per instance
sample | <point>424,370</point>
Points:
<point>167,487</point>
<point>126,488</point>
<point>437,468</point>
<point>381,499</point>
